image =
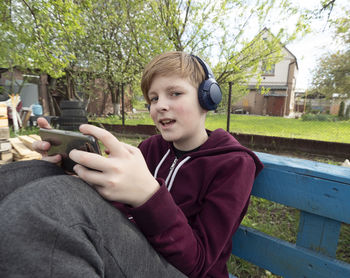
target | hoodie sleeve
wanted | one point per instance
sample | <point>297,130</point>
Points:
<point>194,245</point>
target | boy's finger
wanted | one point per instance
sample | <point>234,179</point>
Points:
<point>108,139</point>
<point>91,177</point>
<point>89,160</point>
<point>53,158</point>
<point>43,123</point>
<point>41,146</point>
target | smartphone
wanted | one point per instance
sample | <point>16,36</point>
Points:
<point>63,141</point>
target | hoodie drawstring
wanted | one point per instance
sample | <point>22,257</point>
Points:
<point>160,164</point>
<point>172,171</point>
<point>175,172</point>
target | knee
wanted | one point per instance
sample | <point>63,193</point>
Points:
<point>37,167</point>
<point>62,190</point>
<point>54,196</point>
<point>64,200</point>
<point>17,174</point>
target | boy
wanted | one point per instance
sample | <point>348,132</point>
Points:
<point>186,190</point>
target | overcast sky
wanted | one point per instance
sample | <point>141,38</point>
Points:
<point>309,49</point>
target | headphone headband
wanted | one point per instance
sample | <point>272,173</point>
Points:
<point>207,70</point>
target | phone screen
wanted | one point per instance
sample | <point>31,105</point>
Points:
<point>63,141</point>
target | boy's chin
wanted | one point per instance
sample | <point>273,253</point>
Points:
<point>168,137</point>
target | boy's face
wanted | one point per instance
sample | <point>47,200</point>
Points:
<point>176,112</point>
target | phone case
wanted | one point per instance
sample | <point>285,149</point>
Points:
<point>63,141</point>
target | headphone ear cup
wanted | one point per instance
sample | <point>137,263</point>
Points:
<point>202,96</point>
<point>209,94</point>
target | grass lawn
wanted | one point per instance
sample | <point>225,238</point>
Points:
<point>338,131</point>
<point>282,127</point>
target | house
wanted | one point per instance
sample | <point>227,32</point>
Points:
<point>274,95</point>
<point>36,89</point>
<point>306,102</point>
<point>315,102</point>
<point>31,86</point>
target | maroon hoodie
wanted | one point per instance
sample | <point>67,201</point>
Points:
<point>203,197</point>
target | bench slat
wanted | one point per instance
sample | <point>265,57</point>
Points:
<point>318,233</point>
<point>306,167</point>
<point>284,258</point>
<point>313,194</point>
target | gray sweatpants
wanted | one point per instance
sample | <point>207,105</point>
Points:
<point>55,225</point>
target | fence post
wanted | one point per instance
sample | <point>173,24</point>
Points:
<point>123,108</point>
<point>229,107</point>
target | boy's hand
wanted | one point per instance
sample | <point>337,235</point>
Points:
<point>123,176</point>
<point>42,147</point>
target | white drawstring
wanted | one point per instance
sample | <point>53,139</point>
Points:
<point>171,170</point>
<point>160,164</point>
<point>175,172</point>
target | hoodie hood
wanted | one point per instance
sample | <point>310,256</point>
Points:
<point>220,142</point>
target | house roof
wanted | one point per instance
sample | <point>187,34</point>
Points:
<point>266,30</point>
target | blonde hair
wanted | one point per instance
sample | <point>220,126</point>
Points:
<point>172,63</point>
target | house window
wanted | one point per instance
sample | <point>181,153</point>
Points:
<point>268,70</point>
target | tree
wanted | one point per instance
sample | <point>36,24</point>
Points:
<point>221,32</point>
<point>35,34</point>
<point>332,74</point>
<point>111,49</point>
<point>114,39</point>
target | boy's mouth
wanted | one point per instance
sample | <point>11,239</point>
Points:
<point>166,122</point>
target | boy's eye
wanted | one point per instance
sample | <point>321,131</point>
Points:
<point>175,94</point>
<point>153,99</point>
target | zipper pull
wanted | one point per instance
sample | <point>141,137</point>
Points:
<point>173,165</point>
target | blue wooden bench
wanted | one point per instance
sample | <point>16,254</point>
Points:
<point>322,194</point>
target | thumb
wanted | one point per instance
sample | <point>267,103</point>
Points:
<point>43,123</point>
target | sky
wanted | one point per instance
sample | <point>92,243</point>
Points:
<point>321,41</point>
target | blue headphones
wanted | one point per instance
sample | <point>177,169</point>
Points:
<point>209,92</point>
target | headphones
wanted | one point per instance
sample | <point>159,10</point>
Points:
<point>209,92</point>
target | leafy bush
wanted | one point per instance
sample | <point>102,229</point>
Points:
<point>318,117</point>
<point>308,117</point>
<point>341,109</point>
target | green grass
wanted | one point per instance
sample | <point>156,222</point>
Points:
<point>26,131</point>
<point>338,131</point>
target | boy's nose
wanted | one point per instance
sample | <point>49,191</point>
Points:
<point>162,104</point>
